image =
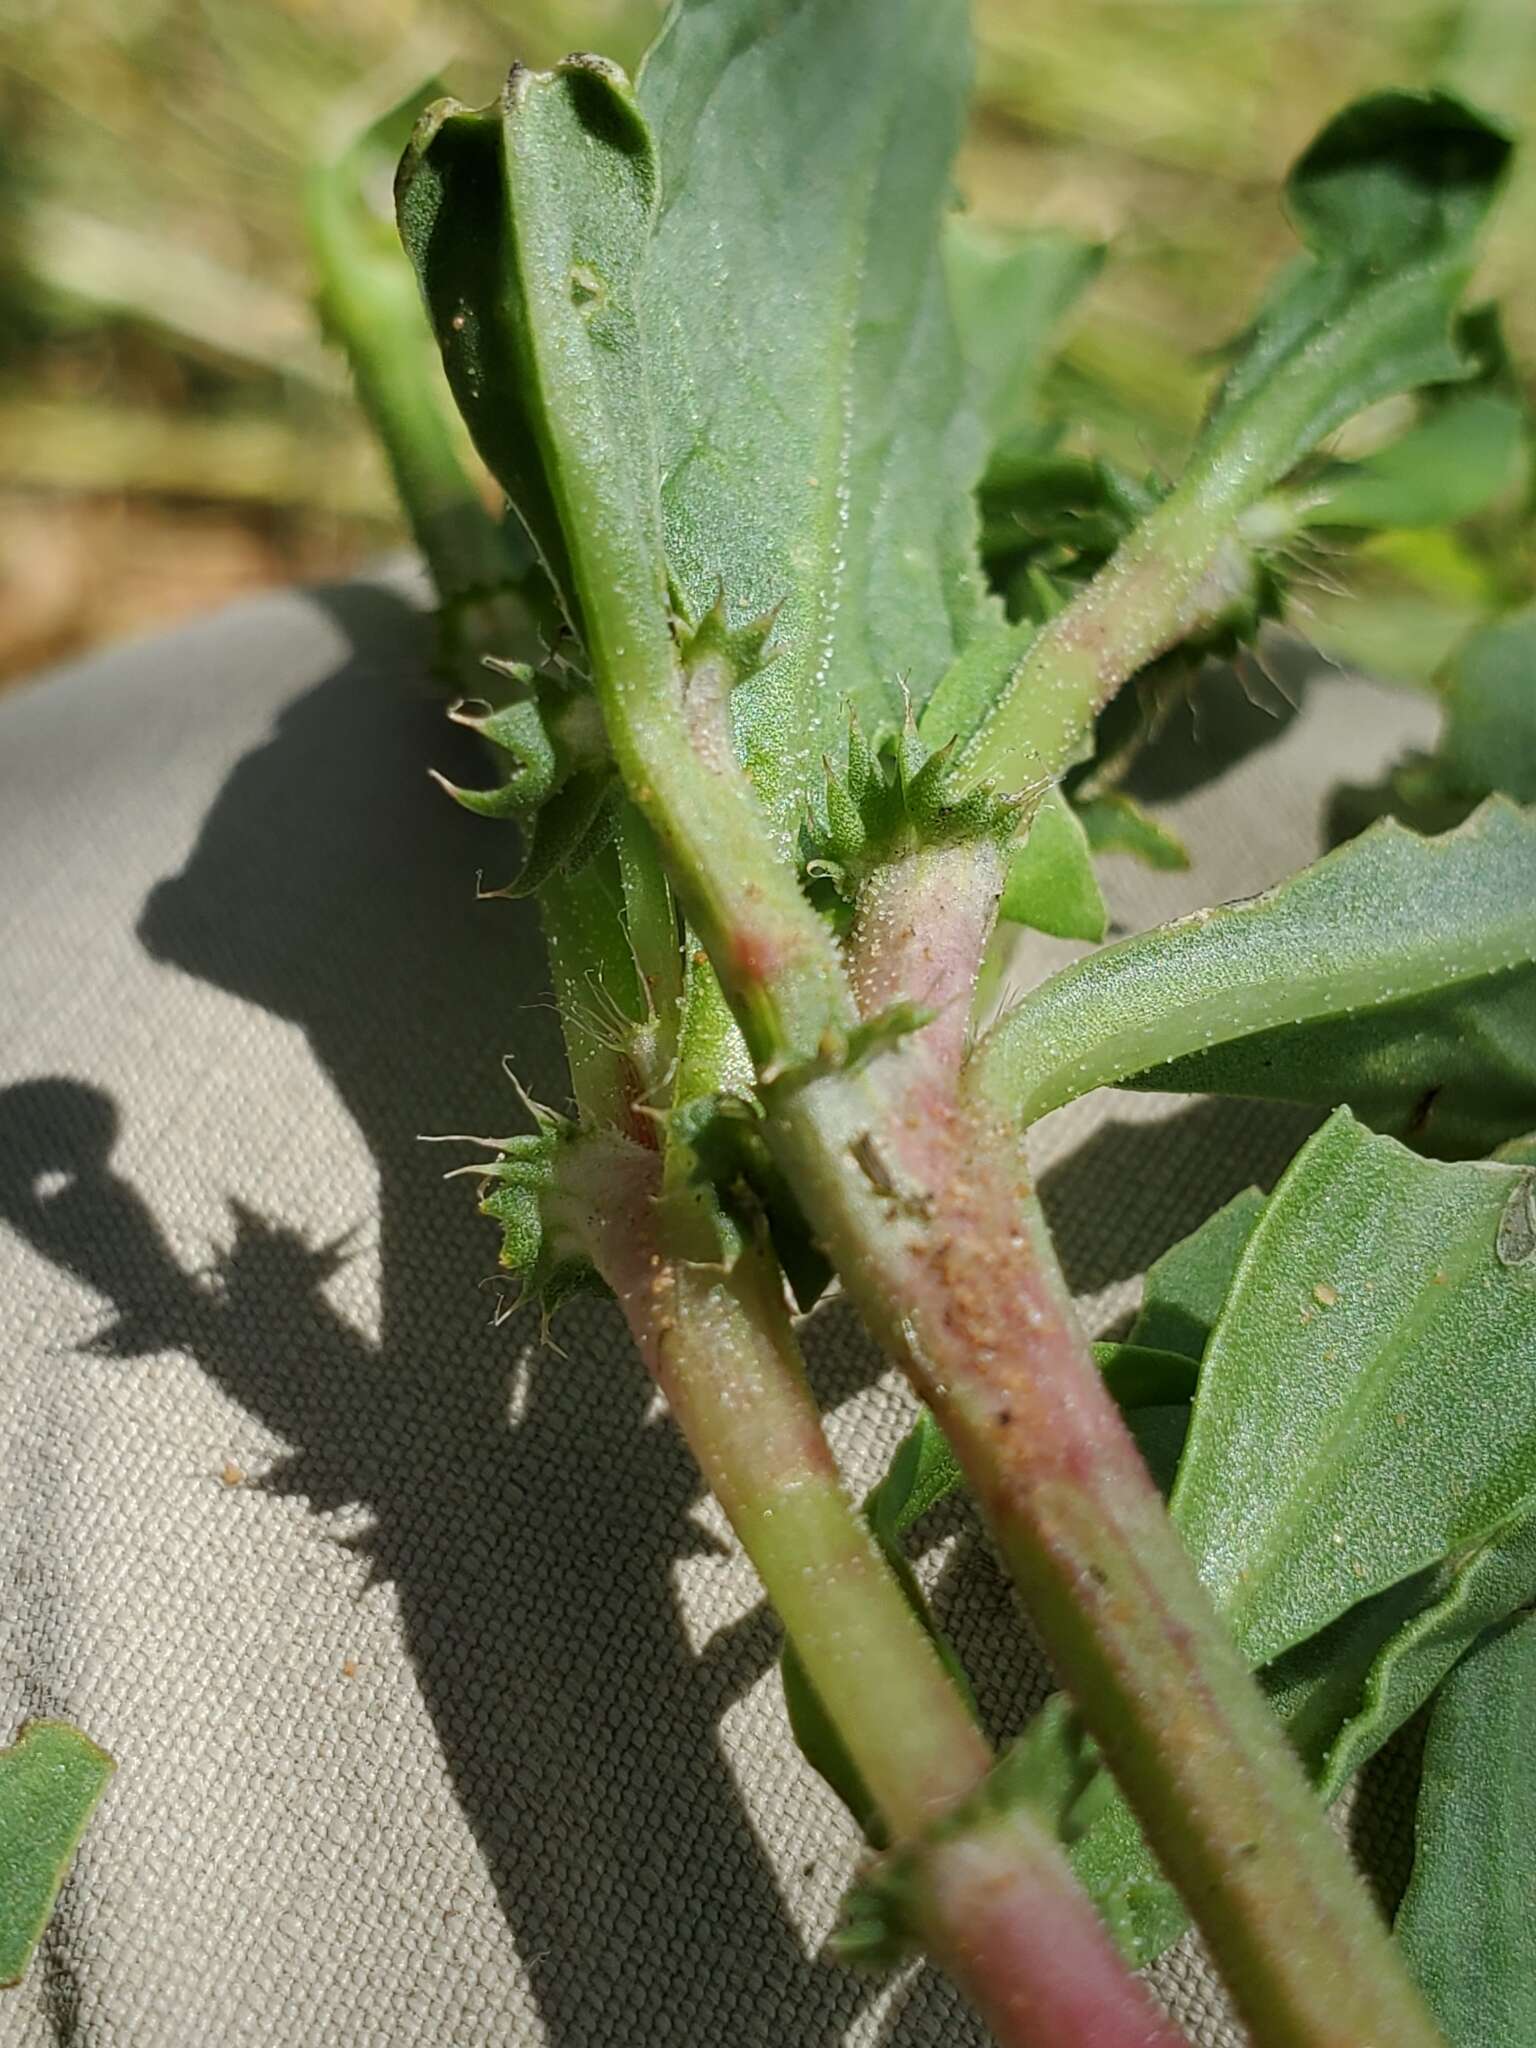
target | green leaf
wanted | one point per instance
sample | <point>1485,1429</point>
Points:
<point>1355,1517</point>
<point>1010,294</point>
<point>452,214</point>
<point>1184,1290</point>
<point>1457,461</point>
<point>1396,974</point>
<point>50,1781</point>
<point>1051,880</point>
<point>1467,1922</point>
<point>817,451</point>
<point>1371,1332</point>
<point>1116,823</point>
<point>1489,687</point>
<point>1344,1692</point>
<point>923,1472</point>
<point>1154,1388</point>
<point>1389,200</point>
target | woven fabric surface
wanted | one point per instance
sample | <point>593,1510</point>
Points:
<point>445,1707</point>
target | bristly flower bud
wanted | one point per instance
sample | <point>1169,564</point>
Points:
<point>888,800</point>
<point>519,1190</point>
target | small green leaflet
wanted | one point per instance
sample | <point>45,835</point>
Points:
<point>1116,823</point>
<point>51,1778</point>
<point>1468,1921</point>
<point>1051,881</point>
<point>1398,974</point>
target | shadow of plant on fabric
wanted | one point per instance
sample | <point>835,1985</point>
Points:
<point>332,886</point>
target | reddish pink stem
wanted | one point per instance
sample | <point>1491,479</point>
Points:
<point>1042,1972</point>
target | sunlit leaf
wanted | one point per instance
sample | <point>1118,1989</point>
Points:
<point>50,1781</point>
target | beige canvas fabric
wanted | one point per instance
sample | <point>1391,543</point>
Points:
<point>446,1709</point>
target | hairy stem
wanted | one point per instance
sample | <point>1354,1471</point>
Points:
<point>922,1196</point>
<point>1181,567</point>
<point>995,1900</point>
<point>1038,1969</point>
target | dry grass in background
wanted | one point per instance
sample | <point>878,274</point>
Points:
<point>172,430</point>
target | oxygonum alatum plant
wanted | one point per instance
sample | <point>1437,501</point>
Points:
<point>799,656</point>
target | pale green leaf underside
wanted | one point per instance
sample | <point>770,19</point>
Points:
<point>1395,974</point>
<point>1468,1921</point>
<point>50,1781</point>
<point>816,450</point>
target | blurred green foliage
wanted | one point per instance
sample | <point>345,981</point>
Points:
<point>160,368</point>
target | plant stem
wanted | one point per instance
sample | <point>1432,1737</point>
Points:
<point>1039,1970</point>
<point>995,1901</point>
<point>945,1252</point>
<point>720,1347</point>
<point>369,304</point>
<point>921,1201</point>
<point>1181,566</point>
